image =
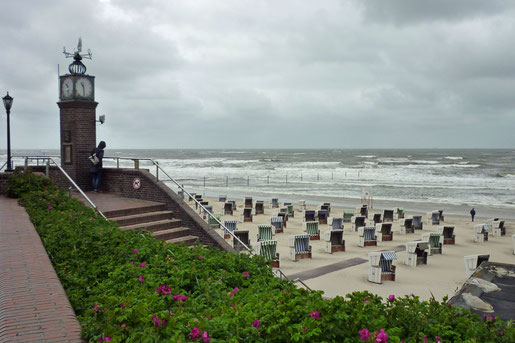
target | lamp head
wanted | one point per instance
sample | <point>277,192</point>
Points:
<point>8,101</point>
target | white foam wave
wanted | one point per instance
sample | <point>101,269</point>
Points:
<point>454,157</point>
<point>366,156</point>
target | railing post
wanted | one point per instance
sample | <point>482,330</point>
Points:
<point>70,192</point>
<point>47,168</point>
<point>117,162</point>
<point>157,171</point>
<point>136,164</point>
<point>26,163</point>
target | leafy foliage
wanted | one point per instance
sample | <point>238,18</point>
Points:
<point>111,278</point>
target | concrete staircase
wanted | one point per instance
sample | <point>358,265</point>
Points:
<point>155,218</point>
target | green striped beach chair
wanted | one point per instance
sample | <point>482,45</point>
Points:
<point>212,220</point>
<point>265,233</point>
<point>267,249</point>
<point>291,212</point>
<point>347,216</point>
<point>435,242</point>
<point>299,247</point>
<point>312,230</point>
<point>400,213</point>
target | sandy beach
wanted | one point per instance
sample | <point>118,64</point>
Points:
<point>442,276</point>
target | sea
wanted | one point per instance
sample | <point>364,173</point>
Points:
<point>416,179</point>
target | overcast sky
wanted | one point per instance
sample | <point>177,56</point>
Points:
<point>268,74</point>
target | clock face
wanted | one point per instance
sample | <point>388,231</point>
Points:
<point>83,87</point>
<point>67,88</point>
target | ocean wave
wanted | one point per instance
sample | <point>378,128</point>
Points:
<point>510,175</point>
<point>366,156</point>
<point>371,163</point>
<point>453,157</point>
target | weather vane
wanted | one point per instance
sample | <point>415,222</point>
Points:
<point>77,67</point>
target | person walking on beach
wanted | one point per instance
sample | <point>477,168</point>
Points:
<point>472,213</point>
<point>96,165</point>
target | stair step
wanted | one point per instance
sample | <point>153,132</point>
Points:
<point>188,240</point>
<point>134,210</point>
<point>143,218</point>
<point>177,232</point>
<point>154,226</point>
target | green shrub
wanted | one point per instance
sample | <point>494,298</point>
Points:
<point>122,286</point>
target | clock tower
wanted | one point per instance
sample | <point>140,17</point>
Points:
<point>77,110</point>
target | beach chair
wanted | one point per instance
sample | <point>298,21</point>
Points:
<point>284,217</point>
<point>248,202</point>
<point>359,221</point>
<point>388,216</point>
<point>309,216</point>
<point>406,225</point>
<point>267,249</point>
<point>212,221</point>
<point>265,233</point>
<point>260,207</point>
<point>334,241</point>
<point>399,213</point>
<point>502,228</point>
<point>299,247</point>
<point>433,218</point>
<point>440,215</point>
<point>222,198</point>
<point>416,253</point>
<point>474,261</point>
<point>302,205</point>
<point>230,225</point>
<point>206,211</point>
<point>233,202</point>
<point>247,215</point>
<point>192,196</point>
<point>322,216</point>
<point>198,197</point>
<point>363,211</point>
<point>435,242</point>
<point>326,206</point>
<point>377,218</point>
<point>290,211</point>
<point>381,266</point>
<point>277,222</point>
<point>203,203</point>
<point>384,232</point>
<point>337,223</point>
<point>367,236</point>
<point>496,230</point>
<point>417,223</point>
<point>275,203</point>
<point>243,235</point>
<point>312,230</point>
<point>480,233</point>
<point>448,234</point>
<point>347,216</point>
<point>228,209</point>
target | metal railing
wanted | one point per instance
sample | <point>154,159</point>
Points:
<point>279,273</point>
<point>46,160</point>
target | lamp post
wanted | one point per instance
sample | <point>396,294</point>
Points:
<point>8,102</point>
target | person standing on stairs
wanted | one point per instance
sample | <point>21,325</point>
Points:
<point>96,165</point>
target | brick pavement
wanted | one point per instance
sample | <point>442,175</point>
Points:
<point>33,304</point>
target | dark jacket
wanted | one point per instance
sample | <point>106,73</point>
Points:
<point>100,154</point>
<point>472,212</point>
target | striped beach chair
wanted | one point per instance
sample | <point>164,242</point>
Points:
<point>399,212</point>
<point>260,207</point>
<point>322,216</point>
<point>433,218</point>
<point>290,211</point>
<point>384,232</point>
<point>435,242</point>
<point>312,230</point>
<point>228,209</point>
<point>299,247</point>
<point>243,235</point>
<point>265,233</point>
<point>448,234</point>
<point>309,216</point>
<point>347,216</point>
<point>359,221</point>
<point>334,241</point>
<point>230,225</point>
<point>206,211</point>
<point>277,222</point>
<point>417,223</point>
<point>481,233</point>
<point>222,198</point>
<point>268,250</point>
<point>275,203</point>
<point>337,223</point>
<point>388,216</point>
<point>248,202</point>
<point>367,236</point>
<point>212,220</point>
<point>381,266</point>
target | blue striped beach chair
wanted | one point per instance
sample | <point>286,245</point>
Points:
<point>347,216</point>
<point>268,250</point>
<point>309,216</point>
<point>230,225</point>
<point>433,218</point>
<point>334,241</point>
<point>277,222</point>
<point>212,222</point>
<point>381,266</point>
<point>322,216</point>
<point>265,233</point>
<point>275,203</point>
<point>337,223</point>
<point>312,230</point>
<point>367,236</point>
<point>299,247</point>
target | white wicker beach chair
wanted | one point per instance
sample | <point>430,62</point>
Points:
<point>416,253</point>
<point>381,266</point>
<point>299,247</point>
<point>277,222</point>
<point>474,261</point>
<point>334,240</point>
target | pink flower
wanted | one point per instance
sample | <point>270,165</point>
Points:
<point>158,322</point>
<point>366,300</point>
<point>49,207</point>
<point>233,305</point>
<point>141,277</point>
<point>391,297</point>
<point>164,290</point>
<point>166,244</point>
<point>95,307</point>
<point>135,251</point>
<point>247,275</point>
<point>382,337</point>
<point>200,257</point>
<point>364,334</point>
<point>236,289</point>
<point>205,337</point>
<point>104,339</point>
<point>194,333</point>
<point>256,323</point>
<point>424,340</point>
<point>438,339</point>
<point>315,315</point>
<point>219,280</point>
<point>142,265</point>
<point>180,297</point>
<point>91,218</point>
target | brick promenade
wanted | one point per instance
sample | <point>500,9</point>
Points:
<point>33,304</point>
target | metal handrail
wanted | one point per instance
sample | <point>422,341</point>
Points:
<point>3,165</point>
<point>48,159</point>
<point>282,275</point>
